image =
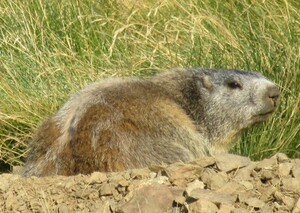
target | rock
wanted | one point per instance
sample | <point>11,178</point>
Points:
<point>196,184</point>
<point>161,180</point>
<point>240,210</point>
<point>214,180</point>
<point>267,192</point>
<point>278,196</point>
<point>140,173</point>
<point>244,196</point>
<point>296,171</point>
<point>180,174</point>
<point>228,162</point>
<point>225,208</point>
<point>267,164</point>
<point>297,207</point>
<point>266,175</point>
<point>231,188</point>
<point>284,169</point>
<point>203,206</point>
<point>106,189</point>
<point>179,199</point>
<point>153,198</point>
<point>245,172</point>
<point>281,157</point>
<point>254,202</point>
<point>215,197</point>
<point>63,208</point>
<point>117,179</point>
<point>96,177</point>
<point>289,202</point>
<point>291,184</point>
<point>102,207</point>
<point>204,162</point>
<point>248,185</point>
<point>4,184</point>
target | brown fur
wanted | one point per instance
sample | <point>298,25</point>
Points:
<point>180,115</point>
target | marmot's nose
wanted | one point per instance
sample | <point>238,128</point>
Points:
<point>273,93</point>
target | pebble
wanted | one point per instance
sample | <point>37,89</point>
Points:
<point>227,162</point>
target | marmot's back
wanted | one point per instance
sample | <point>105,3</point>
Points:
<point>180,115</point>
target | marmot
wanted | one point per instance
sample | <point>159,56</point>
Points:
<point>179,115</point>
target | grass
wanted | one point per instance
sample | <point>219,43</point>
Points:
<point>50,49</point>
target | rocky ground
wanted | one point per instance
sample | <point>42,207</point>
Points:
<point>226,183</point>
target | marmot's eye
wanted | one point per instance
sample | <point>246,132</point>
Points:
<point>234,85</point>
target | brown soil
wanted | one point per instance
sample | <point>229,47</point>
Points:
<point>225,183</point>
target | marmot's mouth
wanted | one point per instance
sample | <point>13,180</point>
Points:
<point>266,113</point>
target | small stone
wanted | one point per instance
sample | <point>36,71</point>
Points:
<point>217,181</point>
<point>281,157</point>
<point>4,185</point>
<point>151,198</point>
<point>284,169</point>
<point>140,173</point>
<point>297,207</point>
<point>161,180</point>
<point>117,179</point>
<point>177,191</point>
<point>203,205</point>
<point>126,175</point>
<point>153,174</point>
<point>267,192</point>
<point>240,210</point>
<point>244,196</point>
<point>289,202</point>
<point>267,208</point>
<point>106,189</point>
<point>180,174</point>
<point>248,185</point>
<point>215,197</point>
<point>96,177</point>
<point>278,196</point>
<point>268,164</point>
<point>225,208</point>
<point>231,188</point>
<point>123,182</point>
<point>204,162</point>
<point>157,168</point>
<point>275,182</point>
<point>102,207</point>
<point>254,202</point>
<point>266,175</point>
<point>179,199</point>
<point>196,184</point>
<point>245,172</point>
<point>228,162</point>
<point>296,171</point>
<point>291,184</point>
<point>63,208</point>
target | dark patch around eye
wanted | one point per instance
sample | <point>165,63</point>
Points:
<point>234,85</point>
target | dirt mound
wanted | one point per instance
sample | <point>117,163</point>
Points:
<point>226,183</point>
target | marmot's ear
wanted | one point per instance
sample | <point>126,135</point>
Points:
<point>205,82</point>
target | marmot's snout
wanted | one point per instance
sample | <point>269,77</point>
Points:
<point>273,95</point>
<point>270,100</point>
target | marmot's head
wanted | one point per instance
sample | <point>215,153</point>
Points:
<point>230,101</point>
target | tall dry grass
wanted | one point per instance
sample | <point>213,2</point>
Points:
<point>50,49</point>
